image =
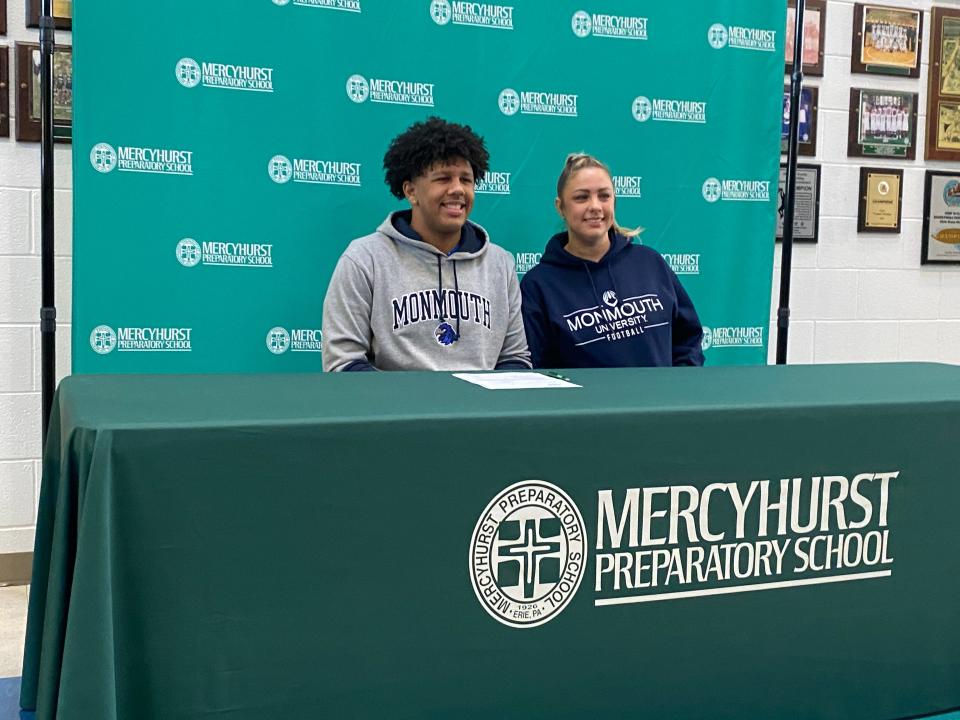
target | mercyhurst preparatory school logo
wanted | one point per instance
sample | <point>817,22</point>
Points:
<point>601,25</point>
<point>485,15</point>
<point>493,183</point>
<point>524,262</point>
<point>314,172</point>
<point>190,253</point>
<point>528,554</point>
<point>280,340</point>
<point>104,339</point>
<point>190,73</point>
<point>345,5</point>
<point>684,111</point>
<point>683,263</point>
<point>721,36</point>
<point>687,540</point>
<point>730,337</point>
<point>533,102</point>
<point>736,190</point>
<point>159,161</point>
<point>392,92</point>
<point>628,186</point>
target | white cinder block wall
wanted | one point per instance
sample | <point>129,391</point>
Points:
<point>865,297</point>
<point>855,298</point>
<point>20,304</point>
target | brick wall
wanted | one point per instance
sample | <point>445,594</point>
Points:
<point>864,297</point>
<point>20,305</point>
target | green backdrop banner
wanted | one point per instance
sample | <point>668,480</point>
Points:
<point>225,159</point>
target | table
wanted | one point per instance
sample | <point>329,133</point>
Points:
<point>409,545</point>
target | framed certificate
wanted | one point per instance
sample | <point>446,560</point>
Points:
<point>883,123</point>
<point>881,192</point>
<point>62,14</point>
<point>941,218</point>
<point>886,40</point>
<point>814,34</point>
<point>4,91</point>
<point>807,144</point>
<point>943,88</point>
<point>28,93</point>
<point>806,206</point>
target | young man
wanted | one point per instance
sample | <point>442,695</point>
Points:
<point>427,290</point>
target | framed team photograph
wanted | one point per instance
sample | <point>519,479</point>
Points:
<point>4,91</point>
<point>806,203</point>
<point>28,93</point>
<point>62,14</point>
<point>807,144</point>
<point>814,35</point>
<point>886,40</point>
<point>881,195</point>
<point>941,218</point>
<point>943,88</point>
<point>883,123</point>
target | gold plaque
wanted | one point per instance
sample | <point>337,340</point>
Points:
<point>880,194</point>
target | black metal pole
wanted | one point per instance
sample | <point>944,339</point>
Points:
<point>789,200</point>
<point>48,310</point>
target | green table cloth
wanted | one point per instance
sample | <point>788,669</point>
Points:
<point>758,542</point>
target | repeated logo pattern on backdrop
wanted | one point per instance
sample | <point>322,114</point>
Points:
<point>236,169</point>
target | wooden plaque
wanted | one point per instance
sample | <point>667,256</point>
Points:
<point>4,91</point>
<point>943,90</point>
<point>62,14</point>
<point>814,36</point>
<point>809,105</point>
<point>941,218</point>
<point>881,195</point>
<point>883,123</point>
<point>886,40</point>
<point>28,93</point>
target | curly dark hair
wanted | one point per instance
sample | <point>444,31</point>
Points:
<point>424,144</point>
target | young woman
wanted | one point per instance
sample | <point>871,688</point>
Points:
<point>597,299</point>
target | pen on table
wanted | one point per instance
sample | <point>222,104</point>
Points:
<point>558,376</point>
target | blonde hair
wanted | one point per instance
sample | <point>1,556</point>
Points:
<point>576,162</point>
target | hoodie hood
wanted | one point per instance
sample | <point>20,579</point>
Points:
<point>473,238</point>
<point>556,251</point>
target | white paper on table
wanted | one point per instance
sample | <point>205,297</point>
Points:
<point>515,380</point>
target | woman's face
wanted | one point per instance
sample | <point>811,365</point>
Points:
<point>587,204</point>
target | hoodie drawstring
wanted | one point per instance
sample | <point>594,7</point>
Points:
<point>456,290</point>
<point>596,293</point>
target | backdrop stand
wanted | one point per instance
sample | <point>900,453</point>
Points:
<point>48,310</point>
<point>789,201</point>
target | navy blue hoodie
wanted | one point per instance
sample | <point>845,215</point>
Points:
<point>627,310</point>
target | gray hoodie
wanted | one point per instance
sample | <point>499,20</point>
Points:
<point>397,303</point>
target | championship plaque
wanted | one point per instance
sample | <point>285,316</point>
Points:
<point>29,95</point>
<point>4,91</point>
<point>807,144</point>
<point>806,207</point>
<point>814,35</point>
<point>62,14</point>
<point>941,218</point>
<point>881,190</point>
<point>943,89</point>
<point>883,123</point>
<point>886,40</point>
